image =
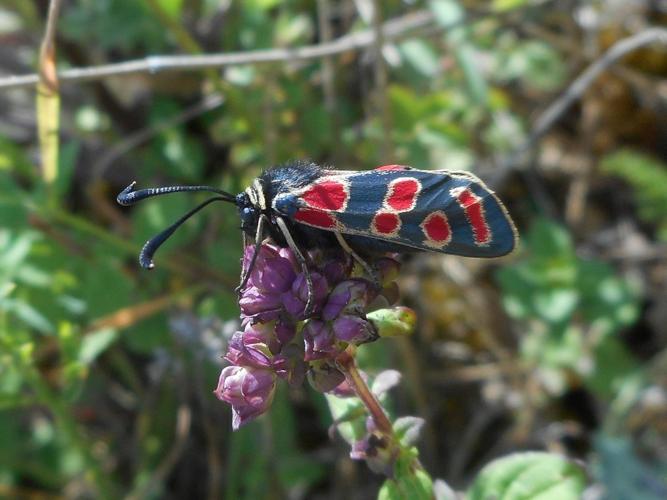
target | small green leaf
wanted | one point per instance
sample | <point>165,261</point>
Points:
<point>95,344</point>
<point>477,87</point>
<point>342,410</point>
<point>421,56</point>
<point>447,12</point>
<point>410,480</point>
<point>531,475</point>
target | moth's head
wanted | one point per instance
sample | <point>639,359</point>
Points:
<point>248,213</point>
<point>129,196</point>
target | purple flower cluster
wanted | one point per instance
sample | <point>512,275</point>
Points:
<point>278,341</point>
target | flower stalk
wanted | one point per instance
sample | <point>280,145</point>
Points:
<point>348,366</point>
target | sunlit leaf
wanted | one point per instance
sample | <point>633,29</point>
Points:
<point>447,12</point>
<point>530,475</point>
<point>420,55</point>
<point>95,344</point>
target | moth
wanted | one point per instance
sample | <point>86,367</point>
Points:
<point>393,208</point>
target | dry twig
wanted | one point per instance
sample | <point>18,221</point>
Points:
<point>574,91</point>
<point>392,30</point>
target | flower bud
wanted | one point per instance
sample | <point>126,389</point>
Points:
<point>249,390</point>
<point>319,341</point>
<point>295,300</point>
<point>258,305</point>
<point>240,353</point>
<point>273,272</point>
<point>255,346</point>
<point>353,329</point>
<point>394,322</point>
<point>351,295</point>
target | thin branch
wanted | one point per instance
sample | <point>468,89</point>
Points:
<point>392,30</point>
<point>555,111</point>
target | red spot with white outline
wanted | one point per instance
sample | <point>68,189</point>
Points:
<point>474,212</point>
<point>402,194</point>
<point>436,229</point>
<point>327,195</point>
<point>316,218</point>
<point>386,224</point>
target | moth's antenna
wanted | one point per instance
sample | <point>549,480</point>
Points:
<point>129,197</point>
<point>151,246</point>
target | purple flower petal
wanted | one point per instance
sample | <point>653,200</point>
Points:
<point>318,340</point>
<point>351,295</point>
<point>285,331</point>
<point>353,329</point>
<point>240,353</point>
<point>295,300</point>
<point>259,305</point>
<point>250,392</point>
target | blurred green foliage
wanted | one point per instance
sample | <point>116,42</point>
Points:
<point>648,178</point>
<point>572,310</point>
<point>106,372</point>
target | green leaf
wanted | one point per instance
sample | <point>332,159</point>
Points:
<point>447,12</point>
<point>477,87</point>
<point>28,314</point>
<point>614,365</point>
<point>421,56</point>
<point>548,240</point>
<point>410,480</point>
<point>95,344</point>
<point>648,177</point>
<point>531,475</point>
<point>349,415</point>
<point>555,305</point>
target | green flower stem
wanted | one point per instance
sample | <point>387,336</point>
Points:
<point>348,366</point>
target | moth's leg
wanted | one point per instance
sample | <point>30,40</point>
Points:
<point>259,237</point>
<point>302,262</point>
<point>365,265</point>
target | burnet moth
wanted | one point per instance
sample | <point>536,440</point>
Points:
<point>393,208</point>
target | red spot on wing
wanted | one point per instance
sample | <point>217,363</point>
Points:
<point>472,205</point>
<point>436,228</point>
<point>386,223</point>
<point>327,195</point>
<point>315,218</point>
<point>392,167</point>
<point>403,194</point>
